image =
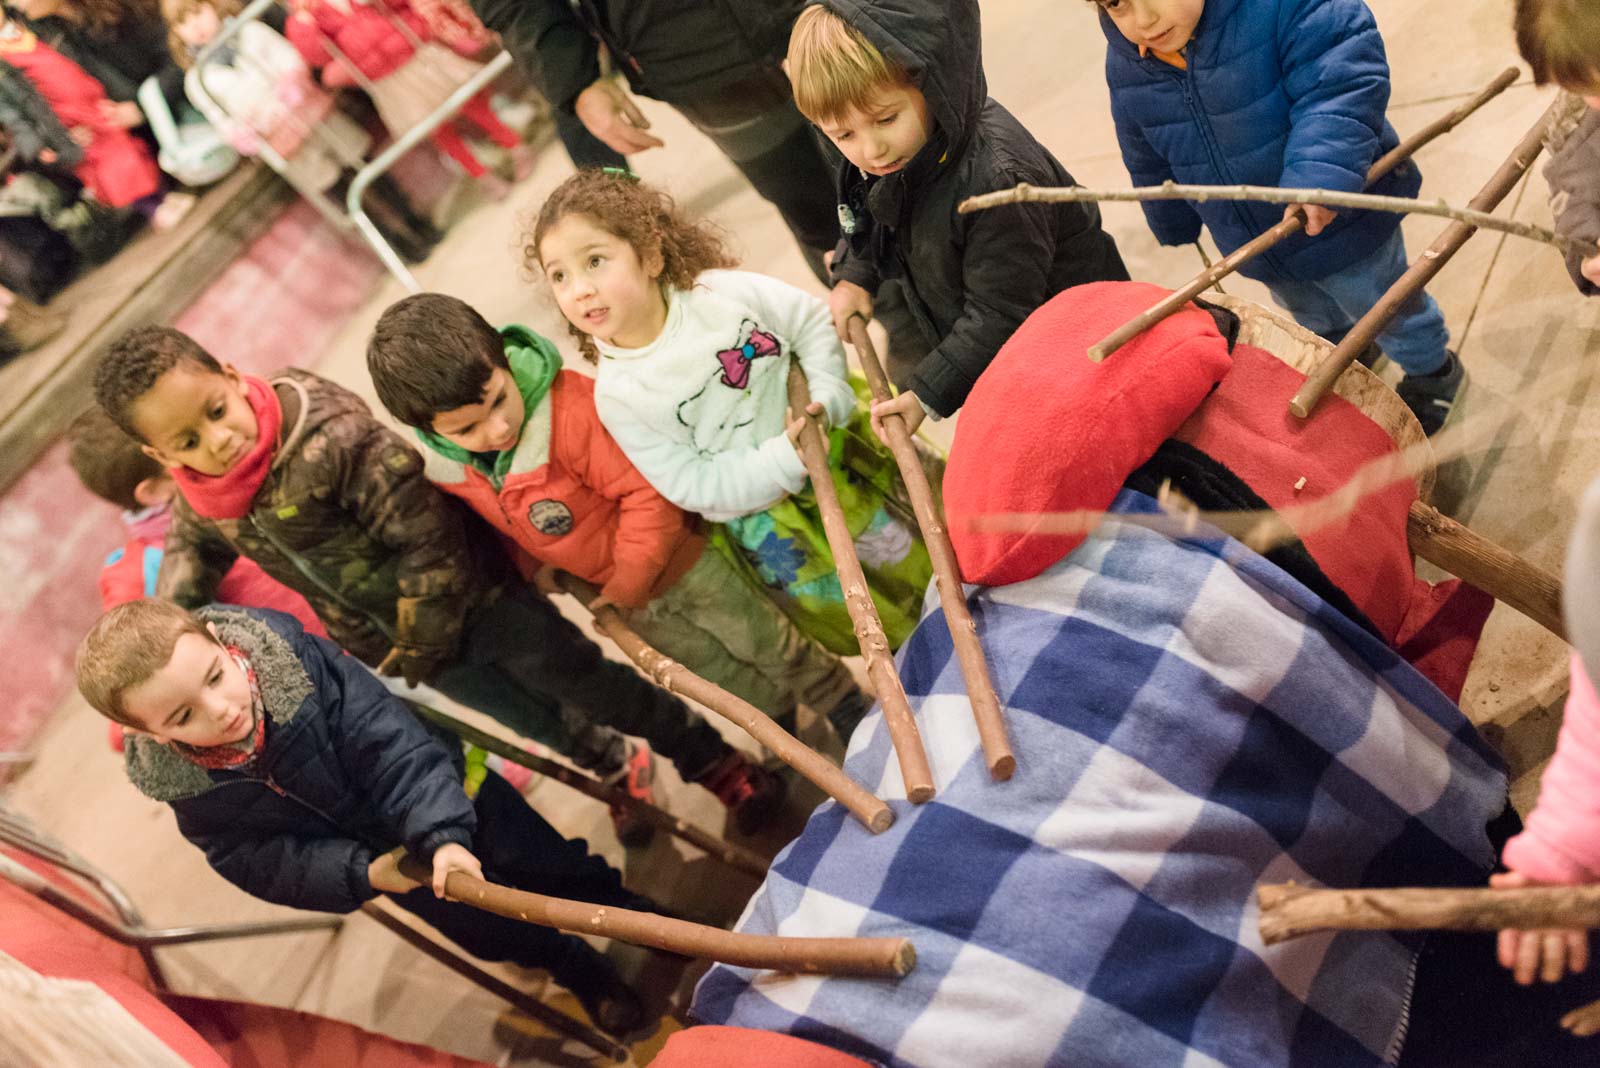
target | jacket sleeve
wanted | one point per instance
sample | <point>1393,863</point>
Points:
<point>302,32</point>
<point>804,320</point>
<point>849,266</point>
<point>1573,174</point>
<point>380,479</point>
<point>33,126</point>
<point>194,559</point>
<point>1336,76</point>
<point>548,42</point>
<point>1174,222</point>
<point>301,871</point>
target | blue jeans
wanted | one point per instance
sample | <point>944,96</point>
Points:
<point>1415,338</point>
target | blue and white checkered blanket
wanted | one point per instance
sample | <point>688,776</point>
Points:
<point>1189,721</point>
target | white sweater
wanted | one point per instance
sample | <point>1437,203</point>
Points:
<point>701,410</point>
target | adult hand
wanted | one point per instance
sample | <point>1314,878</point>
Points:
<point>612,116</point>
<point>452,857</point>
<point>847,299</point>
<point>384,873</point>
<point>906,406</point>
<point>1317,216</point>
<point>1547,954</point>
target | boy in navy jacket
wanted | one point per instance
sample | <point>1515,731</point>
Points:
<point>1289,93</point>
<point>300,777</point>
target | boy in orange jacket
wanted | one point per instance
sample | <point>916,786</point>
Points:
<point>517,438</point>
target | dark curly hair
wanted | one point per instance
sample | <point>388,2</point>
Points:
<point>641,215</point>
<point>134,362</point>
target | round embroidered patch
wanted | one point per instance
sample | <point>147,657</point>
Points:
<point>550,517</point>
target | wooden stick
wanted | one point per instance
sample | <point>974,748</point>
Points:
<point>872,957</point>
<point>675,678</point>
<point>732,855</point>
<point>946,574</point>
<point>1214,273</point>
<point>1495,570</point>
<point>1406,288</point>
<point>1289,911</point>
<point>874,644</point>
<point>1477,217</point>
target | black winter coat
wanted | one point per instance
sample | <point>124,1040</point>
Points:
<point>345,773</point>
<point>672,50</point>
<point>970,280</point>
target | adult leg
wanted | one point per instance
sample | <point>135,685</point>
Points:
<point>583,147</point>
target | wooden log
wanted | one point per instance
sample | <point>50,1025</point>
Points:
<point>732,855</point>
<point>1214,273</point>
<point>897,716</point>
<point>1495,570</point>
<point>946,574</point>
<point>1289,911</point>
<point>871,957</point>
<point>672,676</point>
<point>1422,271</point>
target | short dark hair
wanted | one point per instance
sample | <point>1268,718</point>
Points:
<point>106,460</point>
<point>1560,39</point>
<point>134,362</point>
<point>431,353</point>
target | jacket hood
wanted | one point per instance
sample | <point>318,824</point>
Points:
<point>163,774</point>
<point>315,402</point>
<point>1216,13</point>
<point>939,44</point>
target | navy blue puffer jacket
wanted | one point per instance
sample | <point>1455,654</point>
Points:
<point>1277,92</point>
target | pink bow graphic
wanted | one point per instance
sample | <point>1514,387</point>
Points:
<point>736,362</point>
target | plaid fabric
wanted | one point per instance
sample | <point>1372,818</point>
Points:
<point>1188,721</point>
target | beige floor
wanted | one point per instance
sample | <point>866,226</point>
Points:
<point>1526,448</point>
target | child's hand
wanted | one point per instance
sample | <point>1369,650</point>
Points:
<point>452,857</point>
<point>47,155</point>
<point>123,113</point>
<point>384,874</point>
<point>1317,216</point>
<point>602,601</point>
<point>82,136</point>
<point>816,411</point>
<point>1590,267</point>
<point>847,299</point>
<point>1549,954</point>
<point>906,406</point>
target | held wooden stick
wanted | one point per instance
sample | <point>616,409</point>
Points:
<point>870,957</point>
<point>1214,273</point>
<point>1421,272</point>
<point>946,575</point>
<point>672,676</point>
<point>732,855</point>
<point>1289,911</point>
<point>1495,570</point>
<point>874,644</point>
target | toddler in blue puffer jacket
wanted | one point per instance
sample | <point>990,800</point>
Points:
<point>1289,93</point>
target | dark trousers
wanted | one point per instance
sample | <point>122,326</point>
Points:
<point>519,849</point>
<point>531,668</point>
<point>583,147</point>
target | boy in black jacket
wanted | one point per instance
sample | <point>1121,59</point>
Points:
<point>300,777</point>
<point>898,87</point>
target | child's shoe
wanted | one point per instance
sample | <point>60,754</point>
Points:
<point>752,794</point>
<point>636,778</point>
<point>1431,396</point>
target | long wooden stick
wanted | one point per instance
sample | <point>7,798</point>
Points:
<point>1289,911</point>
<point>732,855</point>
<point>874,957</point>
<point>946,574</point>
<point>1214,273</point>
<point>672,676</point>
<point>874,644</point>
<point>1477,217</point>
<point>1495,570</point>
<point>1421,272</point>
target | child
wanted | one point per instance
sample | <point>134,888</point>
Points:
<point>900,92</point>
<point>691,384</point>
<point>1289,93</point>
<point>301,777</point>
<point>259,90</point>
<point>408,75</point>
<point>295,474</point>
<point>1561,42</point>
<point>518,438</point>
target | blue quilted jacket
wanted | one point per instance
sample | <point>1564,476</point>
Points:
<point>1277,92</point>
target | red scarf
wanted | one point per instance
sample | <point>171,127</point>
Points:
<point>244,751</point>
<point>228,495</point>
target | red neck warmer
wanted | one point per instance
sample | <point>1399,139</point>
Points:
<point>228,495</point>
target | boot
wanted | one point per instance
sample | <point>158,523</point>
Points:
<point>636,777</point>
<point>752,794</point>
<point>32,325</point>
<point>1431,396</point>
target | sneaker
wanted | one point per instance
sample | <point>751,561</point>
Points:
<point>752,794</point>
<point>636,778</point>
<point>1431,396</point>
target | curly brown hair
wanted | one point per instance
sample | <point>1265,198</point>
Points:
<point>641,215</point>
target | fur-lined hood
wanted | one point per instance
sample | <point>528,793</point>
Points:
<point>165,775</point>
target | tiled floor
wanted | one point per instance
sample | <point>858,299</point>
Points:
<point>1526,447</point>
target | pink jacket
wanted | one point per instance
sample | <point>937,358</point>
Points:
<point>1561,843</point>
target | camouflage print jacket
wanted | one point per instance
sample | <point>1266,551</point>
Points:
<point>347,518</point>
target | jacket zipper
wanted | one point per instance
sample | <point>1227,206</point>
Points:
<point>305,569</point>
<point>591,21</point>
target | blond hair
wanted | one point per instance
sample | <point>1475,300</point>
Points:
<point>835,70</point>
<point>175,12</point>
<point>127,647</point>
